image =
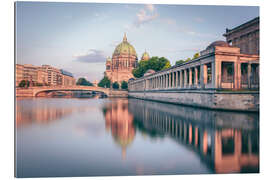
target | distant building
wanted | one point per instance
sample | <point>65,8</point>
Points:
<point>19,73</point>
<point>95,83</point>
<point>67,78</point>
<point>245,36</point>
<point>54,75</point>
<point>123,61</point>
<point>43,75</point>
<point>145,56</point>
<point>35,75</point>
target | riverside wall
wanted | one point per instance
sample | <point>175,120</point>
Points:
<point>223,100</point>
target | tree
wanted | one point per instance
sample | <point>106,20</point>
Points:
<point>83,82</point>
<point>124,85</point>
<point>155,63</point>
<point>105,82</point>
<point>179,61</point>
<point>115,85</point>
<point>24,83</point>
<point>188,59</point>
<point>196,55</point>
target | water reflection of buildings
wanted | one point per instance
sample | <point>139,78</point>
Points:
<point>120,121</point>
<point>226,141</point>
<point>42,113</point>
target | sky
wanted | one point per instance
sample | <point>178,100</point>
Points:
<point>78,37</point>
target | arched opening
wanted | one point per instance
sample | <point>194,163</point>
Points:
<point>71,93</point>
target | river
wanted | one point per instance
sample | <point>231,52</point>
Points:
<point>93,137</point>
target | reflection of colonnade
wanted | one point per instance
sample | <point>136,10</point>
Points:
<point>227,147</point>
<point>120,121</point>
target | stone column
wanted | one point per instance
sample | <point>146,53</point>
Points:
<point>237,74</point>
<point>170,80</point>
<point>161,78</point>
<point>173,78</point>
<point>218,74</point>
<point>196,76</point>
<point>204,76</point>
<point>185,77</point>
<point>181,79</point>
<point>166,81</point>
<point>249,75</point>
<point>177,77</point>
<point>190,76</point>
<point>213,71</point>
<point>159,82</point>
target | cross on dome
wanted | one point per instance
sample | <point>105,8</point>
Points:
<point>125,38</point>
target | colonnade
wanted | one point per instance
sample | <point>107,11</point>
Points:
<point>210,74</point>
<point>189,76</point>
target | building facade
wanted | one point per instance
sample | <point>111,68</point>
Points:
<point>19,74</point>
<point>54,75</point>
<point>67,78</point>
<point>44,75</point>
<point>145,56</point>
<point>124,60</point>
<point>220,66</point>
<point>245,36</point>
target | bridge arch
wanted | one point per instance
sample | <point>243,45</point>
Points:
<point>38,90</point>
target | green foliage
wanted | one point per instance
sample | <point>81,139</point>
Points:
<point>105,82</point>
<point>83,82</point>
<point>38,84</point>
<point>24,83</point>
<point>115,85</point>
<point>124,85</point>
<point>155,63</point>
<point>196,55</point>
<point>179,61</point>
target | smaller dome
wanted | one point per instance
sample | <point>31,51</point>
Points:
<point>109,59</point>
<point>145,56</point>
<point>218,43</point>
<point>148,72</point>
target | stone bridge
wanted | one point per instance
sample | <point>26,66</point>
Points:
<point>34,91</point>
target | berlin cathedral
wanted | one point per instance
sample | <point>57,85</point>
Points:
<point>124,60</point>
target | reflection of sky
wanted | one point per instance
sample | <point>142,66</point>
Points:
<point>77,36</point>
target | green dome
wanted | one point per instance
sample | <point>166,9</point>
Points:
<point>124,48</point>
<point>145,56</point>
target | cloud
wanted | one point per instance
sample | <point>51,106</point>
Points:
<point>199,19</point>
<point>114,44</point>
<point>169,21</point>
<point>91,56</point>
<point>150,7</point>
<point>182,50</point>
<point>145,15</point>
<point>187,30</point>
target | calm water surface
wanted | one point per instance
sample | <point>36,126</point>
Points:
<point>92,137</point>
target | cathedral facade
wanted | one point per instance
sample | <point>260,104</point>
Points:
<point>124,60</point>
